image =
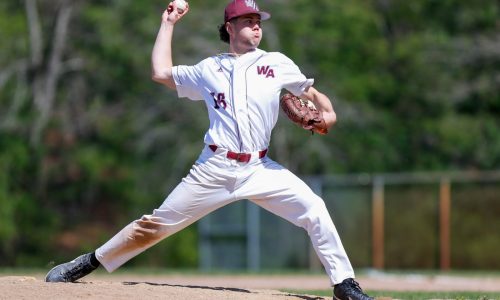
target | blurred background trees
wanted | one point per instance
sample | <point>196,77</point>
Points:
<point>88,142</point>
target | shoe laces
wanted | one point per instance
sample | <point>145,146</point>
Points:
<point>355,285</point>
<point>352,287</point>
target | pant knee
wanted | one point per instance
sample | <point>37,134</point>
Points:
<point>146,231</point>
<point>315,217</point>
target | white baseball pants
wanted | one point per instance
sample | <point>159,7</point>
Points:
<point>215,181</point>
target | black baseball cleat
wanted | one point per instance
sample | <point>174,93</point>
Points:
<point>73,270</point>
<point>349,289</point>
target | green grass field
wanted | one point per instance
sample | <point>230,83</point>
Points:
<point>412,295</point>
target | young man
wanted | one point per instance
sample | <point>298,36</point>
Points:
<point>241,90</point>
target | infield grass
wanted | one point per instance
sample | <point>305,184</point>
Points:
<point>413,295</point>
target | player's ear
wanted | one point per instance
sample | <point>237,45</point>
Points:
<point>229,27</point>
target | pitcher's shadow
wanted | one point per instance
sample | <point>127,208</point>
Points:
<point>217,288</point>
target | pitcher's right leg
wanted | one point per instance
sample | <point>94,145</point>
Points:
<point>186,204</point>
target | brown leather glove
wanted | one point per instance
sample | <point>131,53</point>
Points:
<point>303,113</point>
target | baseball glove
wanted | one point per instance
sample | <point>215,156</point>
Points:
<point>303,113</point>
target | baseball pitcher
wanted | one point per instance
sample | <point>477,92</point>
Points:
<point>241,90</point>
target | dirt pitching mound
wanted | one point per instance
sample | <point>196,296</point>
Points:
<point>103,286</point>
<point>24,287</point>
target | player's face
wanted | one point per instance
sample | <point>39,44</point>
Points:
<point>246,32</point>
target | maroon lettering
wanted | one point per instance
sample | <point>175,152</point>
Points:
<point>261,70</point>
<point>265,70</point>
<point>219,100</point>
<point>270,73</point>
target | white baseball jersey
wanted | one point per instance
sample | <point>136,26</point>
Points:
<point>241,95</point>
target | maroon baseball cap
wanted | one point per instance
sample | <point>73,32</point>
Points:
<point>238,8</point>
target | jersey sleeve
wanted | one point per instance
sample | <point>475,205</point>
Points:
<point>187,81</point>
<point>293,79</point>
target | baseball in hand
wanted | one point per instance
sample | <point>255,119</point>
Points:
<point>181,5</point>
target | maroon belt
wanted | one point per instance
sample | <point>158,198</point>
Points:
<point>241,157</point>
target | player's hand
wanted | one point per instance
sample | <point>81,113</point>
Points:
<point>172,15</point>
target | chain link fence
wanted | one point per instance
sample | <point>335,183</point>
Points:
<point>386,221</point>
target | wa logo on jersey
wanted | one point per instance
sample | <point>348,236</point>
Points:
<point>265,71</point>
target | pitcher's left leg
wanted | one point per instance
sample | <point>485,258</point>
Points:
<point>279,191</point>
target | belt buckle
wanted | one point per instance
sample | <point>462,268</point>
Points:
<point>243,157</point>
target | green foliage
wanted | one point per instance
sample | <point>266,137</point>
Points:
<point>12,29</point>
<point>12,163</point>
